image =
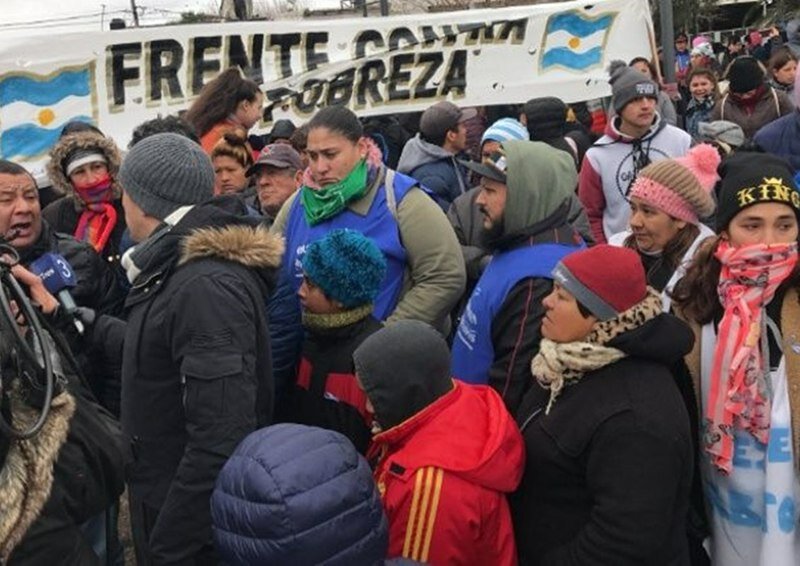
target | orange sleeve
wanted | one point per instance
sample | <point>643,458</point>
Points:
<point>210,139</point>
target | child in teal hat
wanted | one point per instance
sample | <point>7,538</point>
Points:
<point>342,276</point>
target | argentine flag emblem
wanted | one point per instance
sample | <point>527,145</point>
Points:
<point>574,41</point>
<point>34,108</point>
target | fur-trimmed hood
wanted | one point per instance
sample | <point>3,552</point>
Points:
<point>250,246</point>
<point>26,477</point>
<point>82,140</point>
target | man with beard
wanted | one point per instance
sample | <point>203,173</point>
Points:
<point>525,199</point>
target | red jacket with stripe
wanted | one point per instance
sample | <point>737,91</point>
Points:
<point>443,475</point>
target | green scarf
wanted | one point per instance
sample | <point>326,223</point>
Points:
<point>329,201</point>
<point>336,320</point>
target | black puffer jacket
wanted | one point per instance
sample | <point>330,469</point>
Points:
<point>196,375</point>
<point>609,469</point>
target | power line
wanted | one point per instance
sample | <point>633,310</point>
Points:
<point>59,20</point>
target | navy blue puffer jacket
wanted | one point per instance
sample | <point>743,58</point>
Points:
<point>782,138</point>
<point>292,494</point>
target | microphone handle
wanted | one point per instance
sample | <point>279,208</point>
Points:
<point>66,300</point>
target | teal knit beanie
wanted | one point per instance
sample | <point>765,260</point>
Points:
<point>347,266</point>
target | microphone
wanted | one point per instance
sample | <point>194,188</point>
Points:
<point>58,278</point>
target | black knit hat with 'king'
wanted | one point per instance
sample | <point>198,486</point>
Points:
<point>750,178</point>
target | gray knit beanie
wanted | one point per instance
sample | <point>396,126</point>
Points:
<point>628,84</point>
<point>403,368</point>
<point>164,172</point>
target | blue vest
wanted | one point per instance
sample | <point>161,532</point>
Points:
<point>473,351</point>
<point>378,224</point>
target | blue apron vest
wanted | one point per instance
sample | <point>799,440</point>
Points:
<point>379,224</point>
<point>473,351</point>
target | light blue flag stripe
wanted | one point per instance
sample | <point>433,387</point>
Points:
<point>573,23</point>
<point>567,58</point>
<point>44,92</point>
<point>28,140</point>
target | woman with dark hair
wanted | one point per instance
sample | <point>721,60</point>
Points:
<point>347,186</point>
<point>668,200</point>
<point>231,158</point>
<point>782,67</point>
<point>228,102</point>
<point>666,108</point>
<point>740,296</point>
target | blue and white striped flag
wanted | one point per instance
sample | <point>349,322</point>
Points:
<point>574,41</point>
<point>34,108</point>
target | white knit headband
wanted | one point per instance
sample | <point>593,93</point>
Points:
<point>83,160</point>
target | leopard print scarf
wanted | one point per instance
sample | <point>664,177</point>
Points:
<point>557,365</point>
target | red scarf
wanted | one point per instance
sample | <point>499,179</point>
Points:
<point>97,221</point>
<point>749,104</point>
<point>738,395</point>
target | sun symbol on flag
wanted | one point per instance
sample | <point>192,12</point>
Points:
<point>46,116</point>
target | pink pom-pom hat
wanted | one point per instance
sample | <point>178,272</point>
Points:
<point>681,187</point>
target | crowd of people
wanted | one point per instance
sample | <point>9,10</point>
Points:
<point>547,333</point>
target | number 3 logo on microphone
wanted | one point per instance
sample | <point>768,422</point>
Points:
<point>64,268</point>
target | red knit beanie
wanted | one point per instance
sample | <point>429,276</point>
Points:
<point>607,280</point>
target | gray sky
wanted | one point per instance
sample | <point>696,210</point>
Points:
<point>49,15</point>
<point>55,16</point>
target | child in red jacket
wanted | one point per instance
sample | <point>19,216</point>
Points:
<point>446,452</point>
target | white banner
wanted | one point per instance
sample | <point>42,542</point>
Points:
<point>118,79</point>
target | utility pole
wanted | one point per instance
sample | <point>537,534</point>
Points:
<point>102,16</point>
<point>135,14</point>
<point>667,39</point>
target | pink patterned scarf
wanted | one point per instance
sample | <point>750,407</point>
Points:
<point>738,394</point>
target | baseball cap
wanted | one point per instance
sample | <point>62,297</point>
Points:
<point>442,117</point>
<point>493,167</point>
<point>280,155</point>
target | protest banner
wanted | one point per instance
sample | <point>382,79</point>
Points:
<point>118,79</point>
